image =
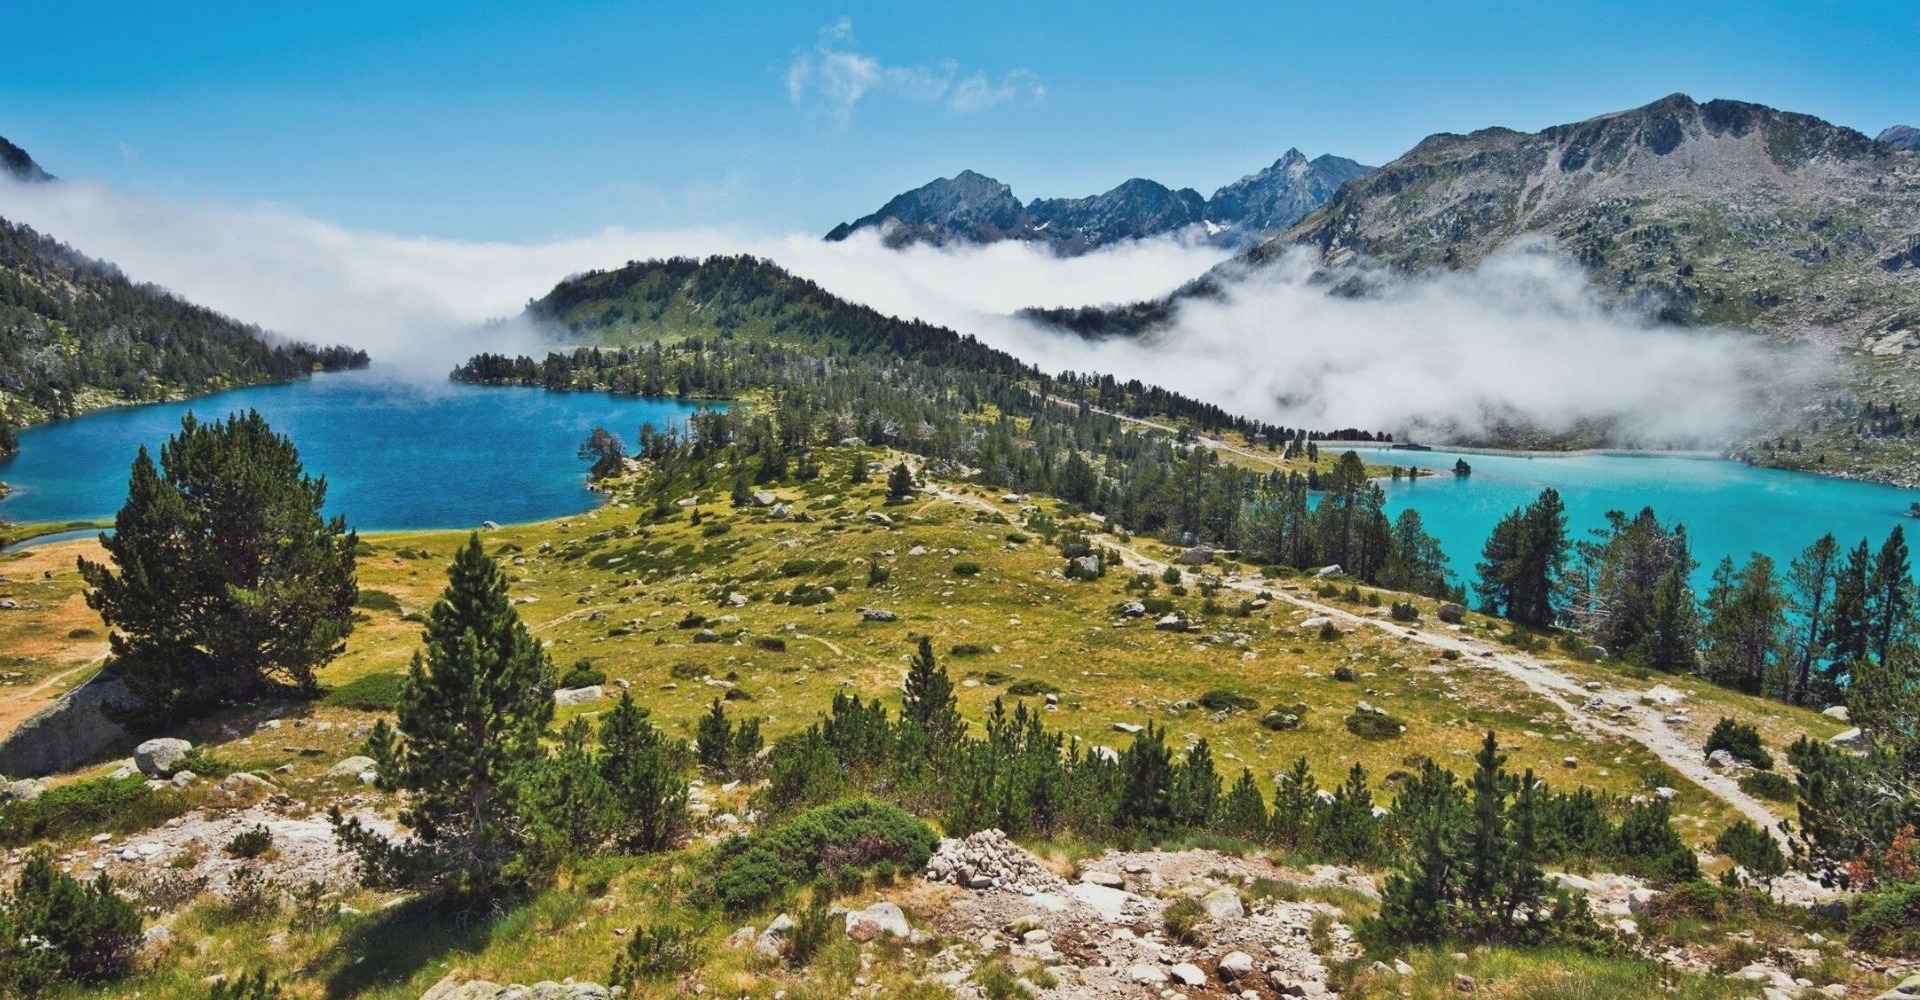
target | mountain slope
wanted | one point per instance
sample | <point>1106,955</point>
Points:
<point>1722,212</point>
<point>76,334</point>
<point>1901,137</point>
<point>15,163</point>
<point>972,208</point>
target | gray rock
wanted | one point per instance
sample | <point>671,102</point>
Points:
<point>1852,739</point>
<point>1173,623</point>
<point>1326,571</point>
<point>1837,712</point>
<point>775,935</point>
<point>1234,966</point>
<point>875,517</point>
<point>1149,974</point>
<point>877,615</point>
<point>354,766</point>
<point>182,779</point>
<point>1133,609</point>
<point>1197,556</point>
<point>24,790</point>
<point>880,918</point>
<point>66,734</point>
<point>1088,565</point>
<point>1451,613</point>
<point>762,498</point>
<point>706,637</point>
<point>1188,974</point>
<point>1107,879</point>
<point>1223,904</point>
<point>563,697</point>
<point>160,758</point>
<point>1127,727</point>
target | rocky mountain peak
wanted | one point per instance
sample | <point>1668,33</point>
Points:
<point>1901,137</point>
<point>15,162</point>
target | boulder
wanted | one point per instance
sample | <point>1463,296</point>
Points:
<point>24,790</point>
<point>1327,571</point>
<point>762,498</point>
<point>877,615</point>
<point>705,636</point>
<point>1316,621</point>
<point>880,918</point>
<point>1234,966</point>
<point>775,936</point>
<point>875,517</point>
<point>183,778</point>
<point>1852,739</point>
<point>1451,613</point>
<point>66,734</point>
<point>1088,566</point>
<point>1172,623</point>
<point>1223,904</point>
<point>1197,556</point>
<point>1108,879</point>
<point>1188,974</point>
<point>1133,609</point>
<point>1146,974</point>
<point>575,696</point>
<point>160,758</point>
<point>354,766</point>
<point>1127,727</point>
<point>1661,694</point>
<point>1723,760</point>
<point>247,779</point>
<point>1837,712</point>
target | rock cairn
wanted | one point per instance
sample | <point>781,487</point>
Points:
<point>986,862</point>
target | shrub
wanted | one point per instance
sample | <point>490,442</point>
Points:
<point>1185,919</point>
<point>969,649</point>
<point>750,871</point>
<point>115,805</point>
<point>1887,923</point>
<point>371,693</point>
<point>250,843</point>
<point>1743,741</point>
<point>1449,654</point>
<point>662,951</point>
<point>1374,726</point>
<point>1751,848</point>
<point>1030,687</point>
<point>1769,785</point>
<point>1171,574</point>
<point>378,600</point>
<point>251,895</point>
<point>1282,718</point>
<point>877,574</point>
<point>1329,632</point>
<point>1404,611</point>
<point>966,569</point>
<point>770,644</point>
<point>254,986</point>
<point>583,674</point>
<point>1223,700</point>
<point>56,929</point>
<point>812,931</point>
<point>1646,845</point>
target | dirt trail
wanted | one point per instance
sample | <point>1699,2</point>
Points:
<point>1642,724</point>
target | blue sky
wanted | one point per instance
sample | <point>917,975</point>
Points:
<point>497,121</point>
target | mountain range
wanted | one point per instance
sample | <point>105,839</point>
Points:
<point>971,208</point>
<point>1901,137</point>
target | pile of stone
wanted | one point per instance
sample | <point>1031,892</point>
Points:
<point>456,987</point>
<point>987,861</point>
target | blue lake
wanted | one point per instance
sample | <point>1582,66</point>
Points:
<point>401,455</point>
<point>396,454</point>
<point>1728,508</point>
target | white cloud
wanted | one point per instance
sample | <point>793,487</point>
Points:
<point>834,77</point>
<point>1522,338</point>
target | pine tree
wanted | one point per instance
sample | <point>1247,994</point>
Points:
<point>1485,873</point>
<point>1889,596</point>
<point>1848,632</point>
<point>471,714</point>
<point>1418,901</point>
<point>1744,619</point>
<point>900,482</point>
<point>1244,814</point>
<point>570,801</point>
<point>646,770</point>
<point>857,473</point>
<point>9,442</point>
<point>1193,792</point>
<point>1810,583</point>
<point>224,579</point>
<point>1147,769</point>
<point>1296,801</point>
<point>930,722</point>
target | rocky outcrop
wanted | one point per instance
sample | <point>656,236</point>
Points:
<point>456,986</point>
<point>68,733</point>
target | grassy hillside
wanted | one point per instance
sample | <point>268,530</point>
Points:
<point>639,595</point>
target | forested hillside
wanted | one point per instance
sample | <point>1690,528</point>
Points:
<point>77,334</point>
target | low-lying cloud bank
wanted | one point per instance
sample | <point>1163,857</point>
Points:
<point>1523,339</point>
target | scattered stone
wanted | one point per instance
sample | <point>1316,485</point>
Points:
<point>1223,904</point>
<point>1234,966</point>
<point>578,696</point>
<point>160,758</point>
<point>880,918</point>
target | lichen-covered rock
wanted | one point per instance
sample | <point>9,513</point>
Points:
<point>160,758</point>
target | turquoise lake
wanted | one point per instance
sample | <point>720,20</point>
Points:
<point>396,454</point>
<point>401,455</point>
<point>1728,508</point>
